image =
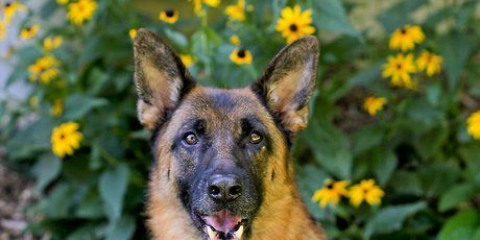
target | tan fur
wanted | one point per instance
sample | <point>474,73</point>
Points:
<point>163,83</point>
<point>281,217</point>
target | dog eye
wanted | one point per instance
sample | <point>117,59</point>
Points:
<point>190,139</point>
<point>255,138</point>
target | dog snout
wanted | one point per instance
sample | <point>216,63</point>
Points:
<point>224,187</point>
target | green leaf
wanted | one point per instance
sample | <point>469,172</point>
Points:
<point>91,207</point>
<point>455,49</point>
<point>456,195</point>
<point>34,137</point>
<point>46,170</point>
<point>112,186</point>
<point>330,148</point>
<point>330,15</point>
<point>460,227</point>
<point>97,79</point>
<point>437,179</point>
<point>391,218</point>
<point>78,106</point>
<point>399,15</point>
<point>177,38</point>
<point>471,156</point>
<point>122,229</point>
<point>384,163</point>
<point>367,138</point>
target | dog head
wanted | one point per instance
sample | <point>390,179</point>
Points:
<point>221,152</point>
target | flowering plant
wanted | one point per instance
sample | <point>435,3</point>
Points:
<point>393,144</point>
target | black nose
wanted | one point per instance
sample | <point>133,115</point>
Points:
<point>224,187</point>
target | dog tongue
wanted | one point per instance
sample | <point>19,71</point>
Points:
<point>223,221</point>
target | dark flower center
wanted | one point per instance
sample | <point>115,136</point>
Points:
<point>62,136</point>
<point>399,66</point>
<point>170,13</point>
<point>330,186</point>
<point>403,31</point>
<point>7,5</point>
<point>293,28</point>
<point>241,53</point>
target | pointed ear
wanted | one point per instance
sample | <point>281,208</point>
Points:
<point>161,78</point>
<point>288,83</point>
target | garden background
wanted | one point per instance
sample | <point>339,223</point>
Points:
<point>396,109</point>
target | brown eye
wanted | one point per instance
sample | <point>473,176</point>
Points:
<point>190,139</point>
<point>255,138</point>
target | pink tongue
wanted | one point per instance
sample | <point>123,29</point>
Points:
<point>223,221</point>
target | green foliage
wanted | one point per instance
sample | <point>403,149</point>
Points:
<point>417,148</point>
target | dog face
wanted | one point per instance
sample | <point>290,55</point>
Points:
<point>222,153</point>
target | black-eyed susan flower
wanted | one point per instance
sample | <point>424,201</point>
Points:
<point>235,40</point>
<point>241,56</point>
<point>430,63</point>
<point>29,32</point>
<point>198,5</point>
<point>10,9</point>
<point>57,108</point>
<point>132,33</point>
<point>236,12</point>
<point>294,24</point>
<point>66,139</point>
<point>186,59</point>
<point>366,191</point>
<point>62,2</point>
<point>405,38</point>
<point>473,125</point>
<point>51,43</point>
<point>330,193</point>
<point>374,104</point>
<point>399,68</point>
<point>168,16</point>
<point>44,69</point>
<point>81,11</point>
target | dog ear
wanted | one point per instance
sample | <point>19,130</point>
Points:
<point>161,78</point>
<point>288,83</point>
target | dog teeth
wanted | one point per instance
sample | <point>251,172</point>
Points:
<point>211,233</point>
<point>238,234</point>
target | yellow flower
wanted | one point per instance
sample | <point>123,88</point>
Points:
<point>187,60</point>
<point>3,30</point>
<point>197,5</point>
<point>235,40</point>
<point>168,16</point>
<point>57,108</point>
<point>62,2</point>
<point>399,68</point>
<point>81,11</point>
<point>430,63</point>
<point>132,33</point>
<point>29,32</point>
<point>374,104</point>
<point>330,193</point>
<point>44,69</point>
<point>65,139</point>
<point>241,56</point>
<point>236,12</point>
<point>10,9</point>
<point>50,43</point>
<point>405,38</point>
<point>367,191</point>
<point>473,125</point>
<point>294,24</point>
<point>49,74</point>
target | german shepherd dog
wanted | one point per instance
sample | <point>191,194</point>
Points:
<point>222,163</point>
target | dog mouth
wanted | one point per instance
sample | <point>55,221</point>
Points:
<point>223,225</point>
